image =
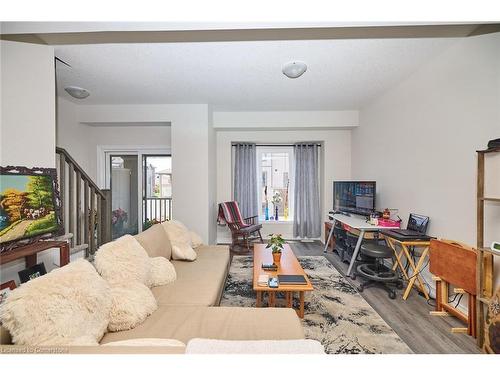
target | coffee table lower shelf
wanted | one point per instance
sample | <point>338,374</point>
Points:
<point>288,299</point>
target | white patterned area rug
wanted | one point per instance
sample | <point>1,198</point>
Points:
<point>335,313</point>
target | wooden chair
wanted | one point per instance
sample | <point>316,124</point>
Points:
<point>243,230</point>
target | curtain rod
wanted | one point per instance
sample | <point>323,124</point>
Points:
<point>269,144</point>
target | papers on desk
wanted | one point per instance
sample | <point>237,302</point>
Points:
<point>263,280</point>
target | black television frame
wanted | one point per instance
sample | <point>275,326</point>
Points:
<point>354,211</point>
<point>56,199</point>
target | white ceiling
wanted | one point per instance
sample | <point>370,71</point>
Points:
<point>341,74</point>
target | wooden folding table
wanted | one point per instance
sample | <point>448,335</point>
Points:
<point>393,240</point>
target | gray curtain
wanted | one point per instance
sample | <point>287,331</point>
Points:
<point>306,217</point>
<point>245,178</point>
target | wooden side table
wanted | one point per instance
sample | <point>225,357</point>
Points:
<point>29,252</point>
<point>405,253</point>
<point>289,265</point>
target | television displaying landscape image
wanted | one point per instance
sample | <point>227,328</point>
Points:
<point>27,206</point>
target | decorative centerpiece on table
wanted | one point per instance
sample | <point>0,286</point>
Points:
<point>277,199</point>
<point>267,204</point>
<point>276,244</point>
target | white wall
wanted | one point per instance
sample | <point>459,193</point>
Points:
<point>28,105</point>
<point>285,120</point>
<point>212,179</point>
<point>73,136</point>
<point>335,165</point>
<point>83,127</point>
<point>27,129</point>
<point>190,177</point>
<point>418,140</point>
<point>82,140</point>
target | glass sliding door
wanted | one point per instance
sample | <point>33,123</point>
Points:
<point>157,189</point>
<point>124,192</point>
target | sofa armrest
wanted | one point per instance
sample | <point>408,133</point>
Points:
<point>209,346</point>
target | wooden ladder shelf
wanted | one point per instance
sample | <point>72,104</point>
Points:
<point>484,266</point>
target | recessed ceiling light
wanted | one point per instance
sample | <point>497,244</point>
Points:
<point>294,69</point>
<point>77,92</point>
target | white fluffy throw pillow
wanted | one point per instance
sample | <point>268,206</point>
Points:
<point>183,253</point>
<point>123,260</point>
<point>68,306</point>
<point>132,303</point>
<point>196,240</point>
<point>162,272</point>
<point>180,239</point>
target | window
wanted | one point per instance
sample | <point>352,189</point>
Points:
<point>158,176</point>
<point>275,168</point>
<point>157,189</point>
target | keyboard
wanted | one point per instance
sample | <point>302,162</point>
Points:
<point>407,232</point>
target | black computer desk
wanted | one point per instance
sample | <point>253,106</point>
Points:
<point>394,239</point>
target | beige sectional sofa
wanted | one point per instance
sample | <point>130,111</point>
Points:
<point>198,283</point>
<point>188,308</point>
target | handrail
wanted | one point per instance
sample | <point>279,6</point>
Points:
<point>88,212</point>
<point>85,176</point>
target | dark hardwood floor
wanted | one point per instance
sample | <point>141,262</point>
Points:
<point>410,319</point>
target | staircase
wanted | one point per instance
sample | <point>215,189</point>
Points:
<point>86,209</point>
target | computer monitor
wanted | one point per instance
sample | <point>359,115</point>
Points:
<point>418,223</point>
<point>357,197</point>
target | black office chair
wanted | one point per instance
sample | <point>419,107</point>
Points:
<point>351,241</point>
<point>375,272</point>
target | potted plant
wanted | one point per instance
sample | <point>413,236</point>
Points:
<point>276,244</point>
<point>118,218</point>
<point>149,223</point>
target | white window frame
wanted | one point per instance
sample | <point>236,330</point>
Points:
<point>104,166</point>
<point>291,176</point>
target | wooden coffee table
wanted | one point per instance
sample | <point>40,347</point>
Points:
<point>289,265</point>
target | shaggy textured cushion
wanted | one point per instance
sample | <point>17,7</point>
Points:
<point>162,272</point>
<point>122,261</point>
<point>146,342</point>
<point>132,303</point>
<point>155,242</point>
<point>180,239</point>
<point>68,306</point>
<point>196,240</point>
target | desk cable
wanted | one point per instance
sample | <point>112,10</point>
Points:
<point>451,299</point>
<point>407,268</point>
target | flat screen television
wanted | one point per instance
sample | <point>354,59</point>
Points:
<point>356,197</point>
<point>28,204</point>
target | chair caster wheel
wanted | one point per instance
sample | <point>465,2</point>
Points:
<point>392,294</point>
<point>353,277</point>
<point>360,288</point>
